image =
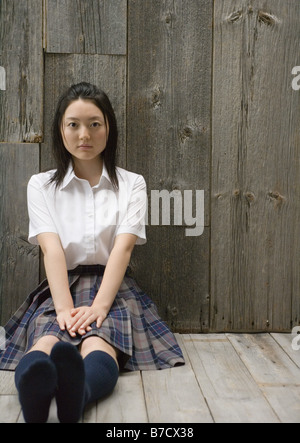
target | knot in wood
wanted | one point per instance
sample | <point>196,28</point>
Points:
<point>250,197</point>
<point>267,18</point>
<point>185,133</point>
<point>32,137</point>
<point>156,96</point>
<point>276,198</point>
<point>235,16</point>
<point>168,19</point>
<point>173,311</point>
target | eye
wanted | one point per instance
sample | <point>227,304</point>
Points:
<point>72,125</point>
<point>95,125</point>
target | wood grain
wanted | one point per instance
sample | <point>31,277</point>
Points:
<point>19,260</point>
<point>168,127</point>
<point>21,55</point>
<point>255,167</point>
<point>86,26</point>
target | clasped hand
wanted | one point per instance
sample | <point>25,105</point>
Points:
<point>78,320</point>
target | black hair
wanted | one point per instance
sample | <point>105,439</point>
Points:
<point>84,91</point>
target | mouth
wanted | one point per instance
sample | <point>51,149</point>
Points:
<point>85,147</point>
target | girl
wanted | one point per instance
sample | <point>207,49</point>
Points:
<point>88,319</point>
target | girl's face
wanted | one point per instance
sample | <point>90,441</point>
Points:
<point>84,130</point>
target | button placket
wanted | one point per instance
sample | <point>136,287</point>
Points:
<point>90,224</point>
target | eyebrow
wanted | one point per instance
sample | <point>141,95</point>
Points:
<point>96,117</point>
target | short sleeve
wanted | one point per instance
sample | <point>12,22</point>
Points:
<point>40,219</point>
<point>133,216</point>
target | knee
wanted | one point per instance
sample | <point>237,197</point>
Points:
<point>93,343</point>
<point>45,344</point>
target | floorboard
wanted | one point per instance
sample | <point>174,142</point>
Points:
<point>228,378</point>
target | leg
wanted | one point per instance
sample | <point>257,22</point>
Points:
<point>45,344</point>
<point>36,380</point>
<point>94,343</point>
<point>101,368</point>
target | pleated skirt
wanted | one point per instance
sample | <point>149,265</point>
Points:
<point>133,325</point>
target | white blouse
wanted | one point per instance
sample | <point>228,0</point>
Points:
<point>87,219</point>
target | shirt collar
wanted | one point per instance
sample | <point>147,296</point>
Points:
<point>70,176</point>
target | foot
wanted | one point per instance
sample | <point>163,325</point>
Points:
<point>36,390</point>
<point>71,382</point>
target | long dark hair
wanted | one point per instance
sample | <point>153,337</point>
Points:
<point>84,91</point>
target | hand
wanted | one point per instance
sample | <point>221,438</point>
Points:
<point>64,320</point>
<point>84,316</point>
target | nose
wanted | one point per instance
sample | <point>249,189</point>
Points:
<point>84,133</point>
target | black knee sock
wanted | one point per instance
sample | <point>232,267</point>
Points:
<point>71,382</point>
<point>36,380</point>
<point>101,375</point>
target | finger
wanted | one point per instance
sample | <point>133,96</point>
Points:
<point>100,320</point>
<point>78,319</point>
<point>88,321</point>
<point>71,333</point>
<point>67,327</point>
<point>61,324</point>
<point>75,311</point>
<point>82,322</point>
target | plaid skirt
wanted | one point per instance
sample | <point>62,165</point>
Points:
<point>133,325</point>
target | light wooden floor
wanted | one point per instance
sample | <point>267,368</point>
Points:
<point>228,378</point>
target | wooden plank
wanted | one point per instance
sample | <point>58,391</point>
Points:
<point>273,370</point>
<point>231,393</point>
<point>173,396</point>
<point>7,383</point>
<point>256,177</point>
<point>178,277</point>
<point>86,26</point>
<point>10,409</point>
<point>128,391</point>
<point>286,341</point>
<point>265,359</point>
<point>168,128</point>
<point>19,259</point>
<point>21,55</point>
<point>107,72</point>
<point>285,400</point>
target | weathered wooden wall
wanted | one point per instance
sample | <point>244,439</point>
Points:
<point>255,180</point>
<point>202,92</point>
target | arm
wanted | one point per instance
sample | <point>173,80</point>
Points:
<point>57,275</point>
<point>113,276</point>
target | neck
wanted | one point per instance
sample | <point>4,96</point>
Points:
<point>89,170</point>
